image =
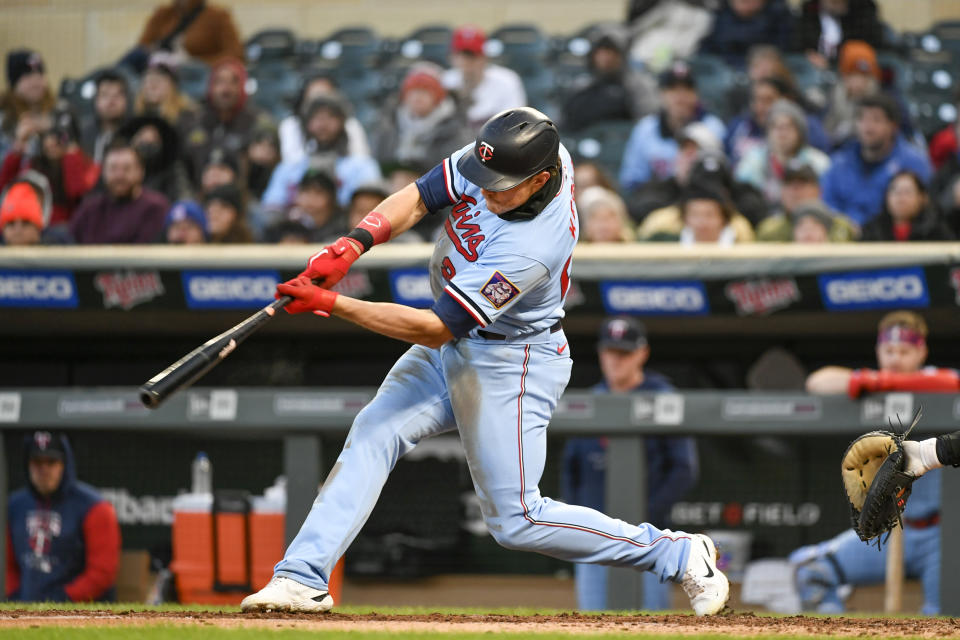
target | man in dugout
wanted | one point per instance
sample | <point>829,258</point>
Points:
<point>63,543</point>
<point>827,572</point>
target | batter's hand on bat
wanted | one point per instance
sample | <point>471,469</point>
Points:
<point>327,267</point>
<point>307,297</point>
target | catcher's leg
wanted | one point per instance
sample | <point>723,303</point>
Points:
<point>922,559</point>
<point>826,572</point>
<point>410,405</point>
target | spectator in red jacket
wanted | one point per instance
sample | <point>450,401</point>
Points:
<point>943,146</point>
<point>126,212</point>
<point>64,538</point>
<point>57,155</point>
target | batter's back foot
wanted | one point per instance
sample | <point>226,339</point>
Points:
<point>284,594</point>
<point>705,585</point>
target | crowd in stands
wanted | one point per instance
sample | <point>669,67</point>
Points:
<point>751,123</point>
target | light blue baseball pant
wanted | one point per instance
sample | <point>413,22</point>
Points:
<point>822,569</point>
<point>500,395</point>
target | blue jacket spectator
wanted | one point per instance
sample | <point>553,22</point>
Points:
<point>741,24</point>
<point>652,146</point>
<point>857,179</point>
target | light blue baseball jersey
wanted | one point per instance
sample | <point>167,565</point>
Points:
<point>494,272</point>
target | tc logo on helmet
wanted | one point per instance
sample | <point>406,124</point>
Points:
<point>485,151</point>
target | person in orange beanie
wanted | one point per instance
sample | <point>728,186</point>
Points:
<point>21,215</point>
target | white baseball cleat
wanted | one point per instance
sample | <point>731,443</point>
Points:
<point>284,594</point>
<point>705,585</point>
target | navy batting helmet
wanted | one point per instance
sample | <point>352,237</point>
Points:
<point>512,146</point>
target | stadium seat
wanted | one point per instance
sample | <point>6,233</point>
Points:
<point>715,80</point>
<point>351,49</point>
<point>929,74</point>
<point>271,44</point>
<point>931,112</point>
<point>893,70</point>
<point>602,142</point>
<point>193,77</point>
<point>430,42</point>
<point>948,32</point>
<point>521,47</point>
<point>274,86</point>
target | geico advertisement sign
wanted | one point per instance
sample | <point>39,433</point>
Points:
<point>880,289</point>
<point>655,298</point>
<point>229,289</point>
<point>53,289</point>
<point>411,287</point>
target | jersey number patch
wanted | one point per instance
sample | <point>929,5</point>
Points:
<point>498,290</point>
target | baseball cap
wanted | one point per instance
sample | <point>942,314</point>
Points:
<point>677,74</point>
<point>22,62</point>
<point>187,210</point>
<point>622,332</point>
<point>44,444</point>
<point>424,76</point>
<point>468,39</point>
<point>856,56</point>
<point>702,136</point>
<point>21,202</point>
<point>221,157</point>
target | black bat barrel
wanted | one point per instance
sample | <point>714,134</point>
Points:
<point>191,367</point>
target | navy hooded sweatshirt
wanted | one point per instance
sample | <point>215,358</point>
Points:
<point>65,547</point>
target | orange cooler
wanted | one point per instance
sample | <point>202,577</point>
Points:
<point>249,542</point>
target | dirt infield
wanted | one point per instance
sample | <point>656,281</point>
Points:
<point>732,623</point>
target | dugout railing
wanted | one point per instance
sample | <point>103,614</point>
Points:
<point>302,417</point>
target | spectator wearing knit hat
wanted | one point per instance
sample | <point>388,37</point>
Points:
<point>421,124</point>
<point>186,223</point>
<point>125,212</point>
<point>26,105</point>
<point>328,150</point>
<point>764,166</point>
<point>70,173</point>
<point>483,87</point>
<point>613,90</point>
<point>111,108</point>
<point>226,216</point>
<point>292,129</point>
<point>859,76</point>
<point>227,119</point>
<point>22,214</point>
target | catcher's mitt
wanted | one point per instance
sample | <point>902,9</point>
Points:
<point>876,486</point>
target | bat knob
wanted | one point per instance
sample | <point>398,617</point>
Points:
<point>150,399</point>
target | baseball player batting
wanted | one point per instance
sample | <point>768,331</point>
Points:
<point>489,359</point>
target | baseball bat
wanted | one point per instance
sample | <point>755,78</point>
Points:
<point>191,367</point>
<point>893,594</point>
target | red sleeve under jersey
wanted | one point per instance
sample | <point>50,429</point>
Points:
<point>101,537</point>
<point>13,570</point>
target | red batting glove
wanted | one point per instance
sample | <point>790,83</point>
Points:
<point>327,267</point>
<point>307,297</point>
